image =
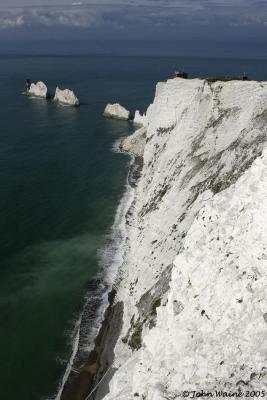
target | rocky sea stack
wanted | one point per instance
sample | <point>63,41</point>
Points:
<point>116,111</point>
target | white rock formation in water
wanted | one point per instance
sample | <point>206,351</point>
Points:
<point>194,278</point>
<point>116,111</point>
<point>66,97</point>
<point>140,119</point>
<point>38,89</point>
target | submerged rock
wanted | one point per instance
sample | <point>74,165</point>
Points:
<point>38,89</point>
<point>116,111</point>
<point>66,97</point>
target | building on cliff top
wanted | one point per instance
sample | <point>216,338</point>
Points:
<point>181,74</point>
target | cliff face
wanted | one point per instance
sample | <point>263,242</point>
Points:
<point>193,282</point>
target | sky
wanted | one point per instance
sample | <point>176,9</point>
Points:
<point>236,24</point>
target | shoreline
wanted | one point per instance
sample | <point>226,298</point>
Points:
<point>83,384</point>
<point>97,369</point>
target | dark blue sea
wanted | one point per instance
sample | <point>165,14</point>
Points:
<point>61,183</point>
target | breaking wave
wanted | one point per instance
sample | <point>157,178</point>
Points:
<point>96,299</point>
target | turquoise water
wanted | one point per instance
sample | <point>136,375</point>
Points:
<point>60,185</point>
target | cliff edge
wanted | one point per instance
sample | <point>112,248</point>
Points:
<point>194,277</point>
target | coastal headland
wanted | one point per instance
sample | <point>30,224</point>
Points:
<point>188,310</point>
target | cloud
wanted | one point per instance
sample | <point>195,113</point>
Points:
<point>49,17</point>
<point>14,22</point>
<point>143,13</point>
<point>11,20</point>
<point>196,4</point>
<point>75,17</point>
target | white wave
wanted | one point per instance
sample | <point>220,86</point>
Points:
<point>111,257</point>
<point>75,346</point>
<point>112,254</point>
<point>32,97</point>
<point>116,146</point>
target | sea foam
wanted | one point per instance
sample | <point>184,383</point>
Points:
<point>111,257</point>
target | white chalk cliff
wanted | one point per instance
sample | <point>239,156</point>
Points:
<point>194,279</point>
<point>134,144</point>
<point>116,111</point>
<point>66,97</point>
<point>38,89</point>
<point>139,119</point>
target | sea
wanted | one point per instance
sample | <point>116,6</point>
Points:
<point>62,182</point>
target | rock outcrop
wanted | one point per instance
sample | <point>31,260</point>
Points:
<point>134,144</point>
<point>139,119</point>
<point>116,111</point>
<point>38,89</point>
<point>194,277</point>
<point>66,97</point>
